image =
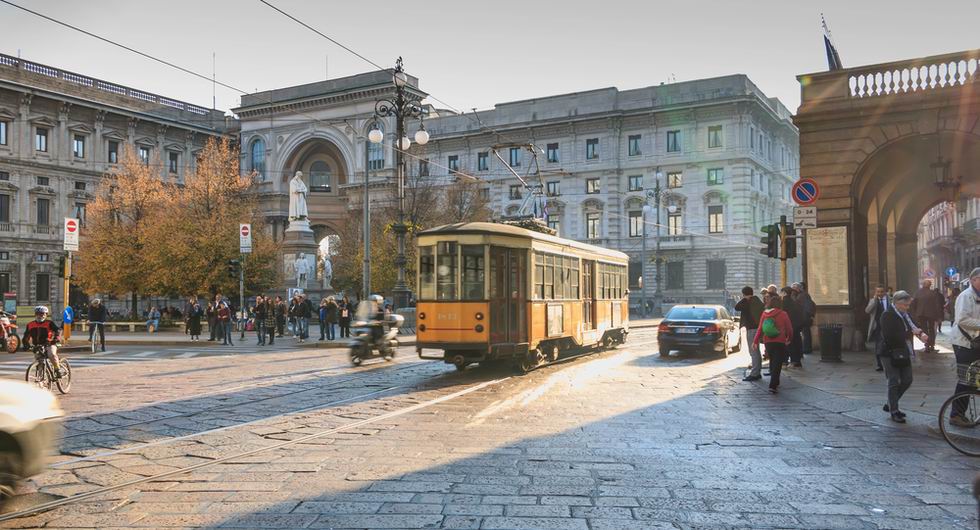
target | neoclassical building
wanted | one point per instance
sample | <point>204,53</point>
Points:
<point>60,132</point>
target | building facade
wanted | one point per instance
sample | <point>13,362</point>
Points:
<point>949,237</point>
<point>723,154</point>
<point>60,132</point>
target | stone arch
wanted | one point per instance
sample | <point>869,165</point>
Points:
<point>633,203</point>
<point>592,205</point>
<point>297,145</point>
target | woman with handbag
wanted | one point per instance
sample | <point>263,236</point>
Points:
<point>966,344</point>
<point>895,350</point>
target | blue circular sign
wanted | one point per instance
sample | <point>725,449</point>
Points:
<point>951,271</point>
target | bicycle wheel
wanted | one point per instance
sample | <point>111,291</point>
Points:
<point>64,383</point>
<point>39,374</point>
<point>94,338</point>
<point>965,438</point>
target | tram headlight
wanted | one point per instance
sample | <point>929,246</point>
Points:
<point>479,328</point>
<point>421,327</point>
<point>421,316</point>
<point>479,316</point>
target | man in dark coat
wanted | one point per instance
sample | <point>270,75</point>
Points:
<point>796,317</point>
<point>927,312</point>
<point>750,309</point>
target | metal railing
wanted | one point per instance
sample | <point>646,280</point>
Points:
<point>81,80</point>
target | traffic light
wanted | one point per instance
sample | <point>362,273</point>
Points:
<point>770,240</point>
<point>790,241</point>
<point>233,268</point>
<point>61,266</point>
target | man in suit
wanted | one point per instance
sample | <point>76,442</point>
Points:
<point>878,304</point>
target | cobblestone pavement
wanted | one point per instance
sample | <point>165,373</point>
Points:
<point>619,440</point>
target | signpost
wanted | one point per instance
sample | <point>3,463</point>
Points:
<point>805,216</point>
<point>245,247</point>
<point>805,192</point>
<point>71,234</point>
<point>245,238</point>
<point>952,271</point>
<point>71,245</point>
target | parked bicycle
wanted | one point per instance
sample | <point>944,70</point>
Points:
<point>962,434</point>
<point>41,372</point>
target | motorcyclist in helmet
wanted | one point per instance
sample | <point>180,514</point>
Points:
<point>44,332</point>
<point>377,319</point>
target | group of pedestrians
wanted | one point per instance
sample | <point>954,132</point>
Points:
<point>897,319</point>
<point>779,323</point>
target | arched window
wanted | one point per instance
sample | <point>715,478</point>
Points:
<point>376,153</point>
<point>319,176</point>
<point>257,158</point>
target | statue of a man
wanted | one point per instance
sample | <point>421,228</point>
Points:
<point>327,273</point>
<point>302,270</point>
<point>297,197</point>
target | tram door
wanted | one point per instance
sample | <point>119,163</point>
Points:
<point>588,295</point>
<point>508,295</point>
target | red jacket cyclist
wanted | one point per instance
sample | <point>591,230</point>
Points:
<point>44,332</point>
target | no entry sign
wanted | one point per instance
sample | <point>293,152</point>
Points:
<point>71,234</point>
<point>245,231</point>
<point>805,192</point>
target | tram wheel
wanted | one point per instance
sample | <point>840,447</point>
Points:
<point>552,352</point>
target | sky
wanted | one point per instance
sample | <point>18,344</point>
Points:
<point>475,54</point>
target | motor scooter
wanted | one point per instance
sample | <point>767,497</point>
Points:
<point>9,341</point>
<point>363,346</point>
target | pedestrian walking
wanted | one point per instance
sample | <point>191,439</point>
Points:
<point>270,320</point>
<point>954,293</point>
<point>345,317</point>
<point>796,318</point>
<point>775,332</point>
<point>303,313</point>
<point>194,314</point>
<point>330,318</point>
<point>280,315</point>
<point>212,316</point>
<point>750,309</point>
<point>259,320</point>
<point>809,308</point>
<point>876,307</point>
<point>896,351</point>
<point>966,345</point>
<point>224,323</point>
<point>927,311</point>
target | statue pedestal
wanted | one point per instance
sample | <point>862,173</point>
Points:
<point>299,239</point>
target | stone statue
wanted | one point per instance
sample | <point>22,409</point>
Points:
<point>327,273</point>
<point>297,197</point>
<point>302,267</point>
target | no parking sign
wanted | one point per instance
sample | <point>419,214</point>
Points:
<point>805,192</point>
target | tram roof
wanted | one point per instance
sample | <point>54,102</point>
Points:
<point>516,231</point>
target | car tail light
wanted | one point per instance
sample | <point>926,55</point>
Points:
<point>711,328</point>
<point>663,328</point>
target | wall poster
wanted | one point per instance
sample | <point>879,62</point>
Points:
<point>827,265</point>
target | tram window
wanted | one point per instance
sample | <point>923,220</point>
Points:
<point>539,276</point>
<point>473,272</point>
<point>549,277</point>
<point>446,271</point>
<point>575,279</point>
<point>427,273</point>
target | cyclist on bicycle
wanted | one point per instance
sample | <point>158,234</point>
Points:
<point>44,332</point>
<point>97,315</point>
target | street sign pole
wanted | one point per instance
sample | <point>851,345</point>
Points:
<point>782,251</point>
<point>241,297</point>
<point>67,292</point>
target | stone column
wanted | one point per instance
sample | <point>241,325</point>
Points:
<point>23,145</point>
<point>61,150</point>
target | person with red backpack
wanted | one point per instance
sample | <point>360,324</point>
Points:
<point>776,333</point>
<point>44,332</point>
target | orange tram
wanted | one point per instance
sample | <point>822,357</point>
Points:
<point>497,292</point>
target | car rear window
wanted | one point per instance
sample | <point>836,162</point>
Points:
<point>692,313</point>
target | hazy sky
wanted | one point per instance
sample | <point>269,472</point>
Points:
<point>475,54</point>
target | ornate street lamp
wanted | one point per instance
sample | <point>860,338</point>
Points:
<point>403,105</point>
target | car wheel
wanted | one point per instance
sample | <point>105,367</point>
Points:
<point>9,464</point>
<point>725,348</point>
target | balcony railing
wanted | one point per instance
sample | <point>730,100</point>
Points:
<point>929,73</point>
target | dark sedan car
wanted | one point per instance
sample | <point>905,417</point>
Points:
<point>708,328</point>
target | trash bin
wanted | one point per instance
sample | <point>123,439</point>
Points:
<point>830,342</point>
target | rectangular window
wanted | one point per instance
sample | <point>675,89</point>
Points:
<point>4,208</point>
<point>554,223</point>
<point>78,146</point>
<point>634,145</point>
<point>515,192</point>
<point>4,255</point>
<point>79,185</point>
<point>43,287</point>
<point>554,188</point>
<point>446,271</point>
<point>41,140</point>
<point>752,141</point>
<point>538,277</point>
<point>113,152</point>
<point>515,157</point>
<point>483,161</point>
<point>673,141</point>
<point>636,224</point>
<point>43,181</point>
<point>675,224</point>
<point>592,186</point>
<point>592,226</point>
<point>4,277</point>
<point>635,271</point>
<point>79,212</point>
<point>716,176</point>
<point>427,273</point>
<point>44,258</point>
<point>43,212</point>
<point>453,163</point>
<point>424,168</point>
<point>3,132</point>
<point>485,194</point>
<point>549,277</point>
<point>4,175</point>
<point>752,177</point>
<point>675,275</point>
<point>675,179</point>
<point>592,149</point>
<point>144,154</point>
<point>553,153</point>
<point>716,274</point>
<point>635,183</point>
<point>174,162</point>
<point>714,136</point>
<point>716,219</point>
<point>474,267</point>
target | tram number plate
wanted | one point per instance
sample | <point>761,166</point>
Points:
<point>687,330</point>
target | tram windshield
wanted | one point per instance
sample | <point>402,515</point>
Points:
<point>449,271</point>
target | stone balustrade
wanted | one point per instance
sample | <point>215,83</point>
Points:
<point>901,77</point>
